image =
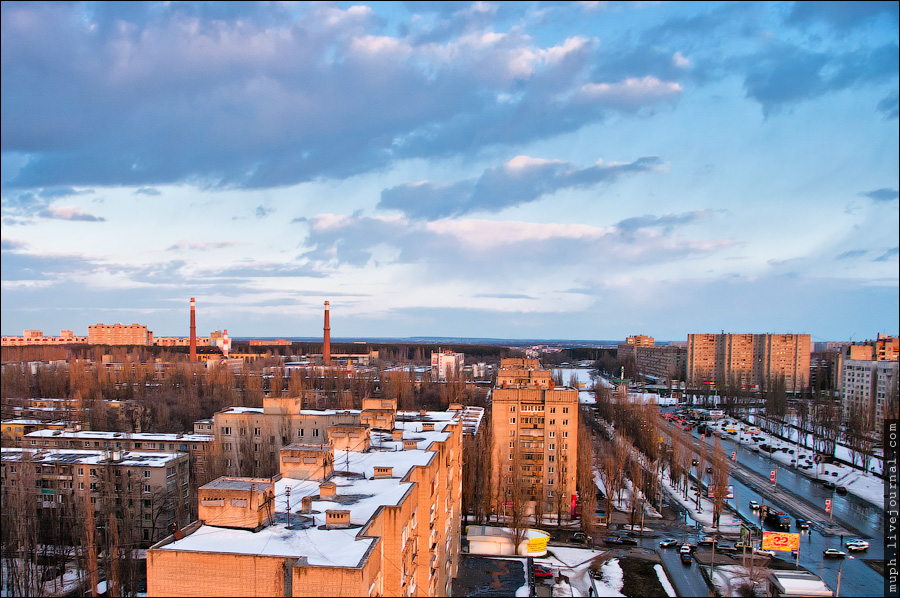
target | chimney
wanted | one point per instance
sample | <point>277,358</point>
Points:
<point>327,490</point>
<point>193,333</point>
<point>337,519</point>
<point>383,472</point>
<point>306,505</point>
<point>326,351</point>
<point>397,434</point>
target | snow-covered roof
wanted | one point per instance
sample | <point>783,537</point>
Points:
<point>142,436</point>
<point>89,457</point>
<point>356,491</point>
<point>22,422</point>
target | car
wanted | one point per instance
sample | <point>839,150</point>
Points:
<point>706,541</point>
<point>754,505</point>
<point>857,545</point>
<point>742,545</point>
<point>686,558</point>
<point>668,542</point>
<point>542,572</point>
<point>840,490</point>
<point>834,553</point>
<point>686,548</point>
<point>629,540</point>
<point>579,537</point>
<point>802,524</point>
<point>763,551</point>
<point>829,485</point>
<point>613,540</point>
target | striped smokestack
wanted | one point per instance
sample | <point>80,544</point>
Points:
<point>193,333</point>
<point>326,351</point>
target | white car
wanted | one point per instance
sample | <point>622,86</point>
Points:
<point>857,545</point>
<point>763,551</point>
<point>754,505</point>
<point>834,553</point>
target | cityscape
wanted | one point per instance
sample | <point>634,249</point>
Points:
<point>435,299</point>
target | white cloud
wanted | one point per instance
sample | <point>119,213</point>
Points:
<point>632,92</point>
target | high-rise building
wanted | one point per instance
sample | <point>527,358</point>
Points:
<point>118,334</point>
<point>446,364</point>
<point>535,428</point>
<point>749,359</point>
<point>868,386</point>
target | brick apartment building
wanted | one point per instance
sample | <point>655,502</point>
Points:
<point>754,358</point>
<point>148,491</point>
<point>535,427</point>
<point>371,513</point>
<point>119,334</point>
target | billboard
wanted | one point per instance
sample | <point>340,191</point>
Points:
<point>780,541</point>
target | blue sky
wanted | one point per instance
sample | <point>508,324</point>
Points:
<point>515,170</point>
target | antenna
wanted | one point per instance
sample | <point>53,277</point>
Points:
<point>287,492</point>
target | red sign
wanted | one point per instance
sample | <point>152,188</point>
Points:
<point>734,455</point>
<point>574,505</point>
<point>780,541</point>
<point>772,476</point>
<point>828,505</point>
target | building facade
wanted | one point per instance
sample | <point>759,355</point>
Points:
<point>384,521</point>
<point>750,359</point>
<point>535,428</point>
<point>119,334</point>
<point>868,387</point>
<point>148,492</point>
<point>446,364</point>
<point>36,337</point>
<point>664,364</point>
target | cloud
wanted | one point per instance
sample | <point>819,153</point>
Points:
<point>69,213</point>
<point>853,253</point>
<point>12,244</point>
<point>883,195</point>
<point>789,74</point>
<point>208,246</point>
<point>148,191</point>
<point>889,254</point>
<point>259,98</point>
<point>840,15</point>
<point>262,212</point>
<point>519,181</point>
<point>666,222</point>
<point>890,105</point>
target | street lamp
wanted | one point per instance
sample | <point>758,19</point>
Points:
<point>840,567</point>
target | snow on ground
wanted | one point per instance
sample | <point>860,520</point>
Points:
<point>611,581</point>
<point>727,521</point>
<point>664,580</point>
<point>864,485</point>
<point>574,563</point>
<point>727,578</point>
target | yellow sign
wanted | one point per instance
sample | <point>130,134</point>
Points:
<point>537,544</point>
<point>780,541</point>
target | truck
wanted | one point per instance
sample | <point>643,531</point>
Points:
<point>776,518</point>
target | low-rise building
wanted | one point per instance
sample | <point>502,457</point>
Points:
<point>119,334</point>
<point>36,337</point>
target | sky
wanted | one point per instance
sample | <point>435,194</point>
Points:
<point>510,170</point>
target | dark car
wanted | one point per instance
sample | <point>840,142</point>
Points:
<point>542,572</point>
<point>802,524</point>
<point>829,485</point>
<point>686,558</point>
<point>579,537</point>
<point>629,541</point>
<point>613,540</point>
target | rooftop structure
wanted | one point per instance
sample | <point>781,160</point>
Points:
<point>385,521</point>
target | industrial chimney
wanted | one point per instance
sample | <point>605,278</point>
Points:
<point>193,333</point>
<point>326,351</point>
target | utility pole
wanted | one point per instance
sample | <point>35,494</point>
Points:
<point>287,491</point>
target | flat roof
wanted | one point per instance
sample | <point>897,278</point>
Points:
<point>98,435</point>
<point>238,484</point>
<point>91,457</point>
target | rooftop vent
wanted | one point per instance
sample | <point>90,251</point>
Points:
<point>383,472</point>
<point>410,445</point>
<point>428,427</point>
<point>398,434</point>
<point>327,489</point>
<point>337,519</point>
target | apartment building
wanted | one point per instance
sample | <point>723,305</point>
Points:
<point>753,359</point>
<point>663,364</point>
<point>446,364</point>
<point>119,334</point>
<point>36,337</point>
<point>535,427</point>
<point>381,521</point>
<point>148,491</point>
<point>868,387</point>
<point>249,438</point>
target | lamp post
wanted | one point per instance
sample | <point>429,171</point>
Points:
<point>840,568</point>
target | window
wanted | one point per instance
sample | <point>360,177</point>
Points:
<point>552,422</point>
<point>552,434</point>
<point>93,485</point>
<point>226,446</point>
<point>512,408</point>
<point>315,432</point>
<point>553,410</point>
<point>565,409</point>
<point>256,431</point>
<point>552,446</point>
<point>565,435</point>
<point>147,473</point>
<point>146,488</point>
<point>510,456</point>
<point>93,472</point>
<point>512,420</point>
<point>565,422</point>
<point>550,469</point>
<point>226,430</point>
<point>300,432</point>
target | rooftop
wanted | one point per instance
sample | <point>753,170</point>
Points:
<point>88,457</point>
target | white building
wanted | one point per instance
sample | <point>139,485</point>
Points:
<point>864,382</point>
<point>445,362</point>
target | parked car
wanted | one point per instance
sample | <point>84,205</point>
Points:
<point>857,545</point>
<point>706,541</point>
<point>629,541</point>
<point>668,542</point>
<point>542,572</point>
<point>613,540</point>
<point>686,558</point>
<point>763,551</point>
<point>579,537</point>
<point>742,545</point>
<point>834,553</point>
